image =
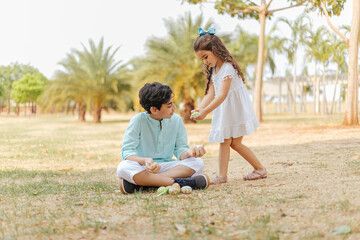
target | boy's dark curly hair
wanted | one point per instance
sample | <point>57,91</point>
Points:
<point>154,95</point>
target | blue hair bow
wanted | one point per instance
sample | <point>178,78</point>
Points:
<point>211,31</point>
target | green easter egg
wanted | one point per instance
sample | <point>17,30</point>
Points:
<point>161,191</point>
<point>195,114</point>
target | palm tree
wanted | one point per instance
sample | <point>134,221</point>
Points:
<point>325,52</point>
<point>299,29</point>
<point>91,78</point>
<point>338,50</point>
<point>244,48</point>
<point>313,52</point>
<point>171,60</point>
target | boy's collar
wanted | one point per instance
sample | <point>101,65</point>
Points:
<point>153,119</point>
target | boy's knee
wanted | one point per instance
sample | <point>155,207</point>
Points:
<point>123,169</point>
<point>200,163</point>
<point>120,172</point>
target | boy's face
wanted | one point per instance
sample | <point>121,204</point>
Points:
<point>207,57</point>
<point>166,110</point>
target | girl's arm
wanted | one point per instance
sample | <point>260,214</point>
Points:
<point>224,89</point>
<point>208,97</point>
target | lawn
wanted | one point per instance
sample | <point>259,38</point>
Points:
<point>58,181</point>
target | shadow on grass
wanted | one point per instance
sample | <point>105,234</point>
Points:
<point>34,183</point>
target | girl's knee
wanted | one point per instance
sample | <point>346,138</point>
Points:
<point>227,142</point>
<point>236,142</point>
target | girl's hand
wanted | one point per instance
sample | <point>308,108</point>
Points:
<point>194,113</point>
<point>198,114</point>
<point>151,166</point>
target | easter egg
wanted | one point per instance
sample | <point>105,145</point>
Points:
<point>167,188</point>
<point>186,189</point>
<point>195,114</point>
<point>173,191</point>
<point>161,191</point>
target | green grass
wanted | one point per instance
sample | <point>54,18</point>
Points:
<point>58,181</point>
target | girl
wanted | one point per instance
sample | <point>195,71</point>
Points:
<point>226,95</point>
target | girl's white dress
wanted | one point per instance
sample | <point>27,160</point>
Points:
<point>235,117</point>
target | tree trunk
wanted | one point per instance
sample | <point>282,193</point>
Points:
<point>294,86</point>
<point>315,104</point>
<point>17,109</point>
<point>8,106</point>
<point>351,101</point>
<point>186,112</point>
<point>81,111</point>
<point>279,102</point>
<point>317,94</point>
<point>324,109</point>
<point>289,96</point>
<point>340,95</point>
<point>336,83</point>
<point>97,114</point>
<point>33,108</point>
<point>260,63</point>
<point>302,98</point>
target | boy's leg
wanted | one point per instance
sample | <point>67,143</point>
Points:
<point>179,171</point>
<point>132,175</point>
<point>182,169</point>
<point>145,178</point>
<point>135,173</point>
<point>170,170</point>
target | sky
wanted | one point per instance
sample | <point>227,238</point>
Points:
<point>42,32</point>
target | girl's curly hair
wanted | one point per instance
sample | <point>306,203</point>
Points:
<point>211,42</point>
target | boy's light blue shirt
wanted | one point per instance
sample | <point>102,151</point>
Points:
<point>145,137</point>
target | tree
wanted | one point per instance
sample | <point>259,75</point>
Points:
<point>28,88</point>
<point>298,28</point>
<point>171,60</point>
<point>91,78</point>
<point>351,100</point>
<point>249,9</point>
<point>313,52</point>
<point>244,48</point>
<point>338,50</point>
<point>11,73</point>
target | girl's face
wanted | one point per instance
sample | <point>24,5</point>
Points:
<point>207,57</point>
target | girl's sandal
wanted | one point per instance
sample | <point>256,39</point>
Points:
<point>218,180</point>
<point>256,174</point>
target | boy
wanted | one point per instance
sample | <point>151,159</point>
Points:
<point>150,141</point>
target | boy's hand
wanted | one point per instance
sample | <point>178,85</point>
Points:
<point>197,151</point>
<point>151,166</point>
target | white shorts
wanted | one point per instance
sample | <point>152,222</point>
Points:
<point>127,168</point>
